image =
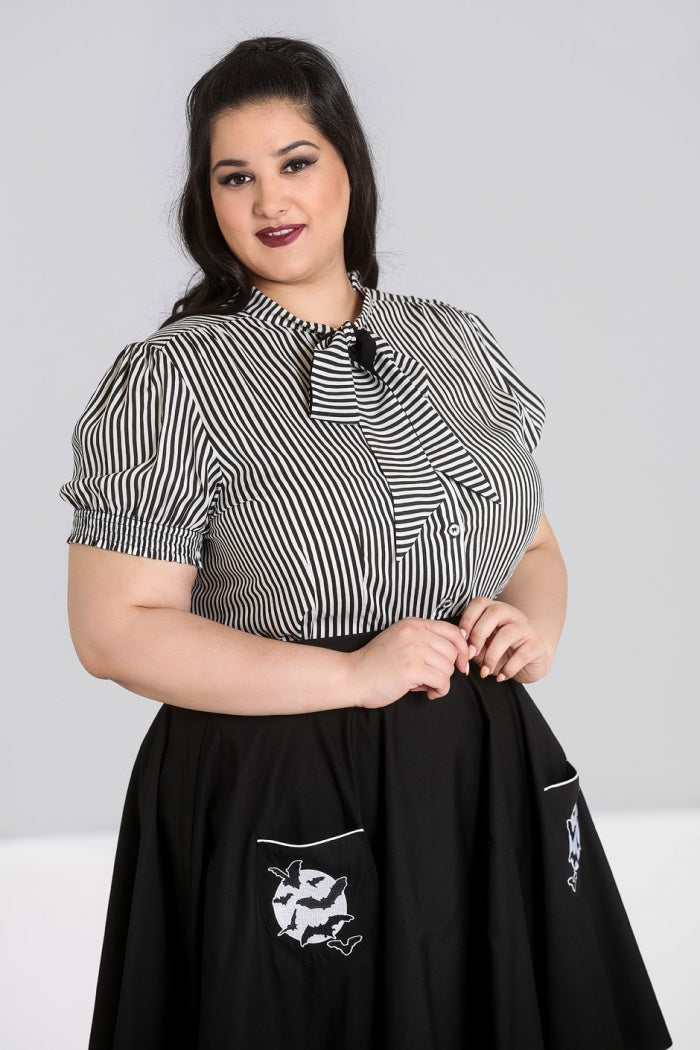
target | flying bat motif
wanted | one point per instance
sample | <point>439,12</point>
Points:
<point>344,946</point>
<point>290,877</point>
<point>292,925</point>
<point>282,900</point>
<point>574,830</point>
<point>331,897</point>
<point>327,927</point>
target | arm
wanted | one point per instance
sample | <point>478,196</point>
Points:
<point>538,586</point>
<point>130,622</point>
<point>527,618</point>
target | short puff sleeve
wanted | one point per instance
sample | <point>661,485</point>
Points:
<point>145,473</point>
<point>530,407</point>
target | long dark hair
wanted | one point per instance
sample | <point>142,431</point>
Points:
<point>260,69</point>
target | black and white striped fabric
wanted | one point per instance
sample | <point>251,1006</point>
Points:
<point>323,481</point>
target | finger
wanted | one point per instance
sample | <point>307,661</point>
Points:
<point>489,623</point>
<point>476,640</point>
<point>500,664</point>
<point>471,613</point>
<point>437,673</point>
<point>438,657</point>
<point>520,658</point>
<point>508,636</point>
<point>498,671</point>
<point>451,635</point>
<point>446,648</point>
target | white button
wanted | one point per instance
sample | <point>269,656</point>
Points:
<point>454,529</point>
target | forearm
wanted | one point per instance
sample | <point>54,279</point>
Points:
<point>538,587</point>
<point>187,660</point>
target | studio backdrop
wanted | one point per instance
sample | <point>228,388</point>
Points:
<point>538,165</point>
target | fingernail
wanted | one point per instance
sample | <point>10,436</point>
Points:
<point>472,652</point>
<point>500,677</point>
<point>485,670</point>
<point>464,633</point>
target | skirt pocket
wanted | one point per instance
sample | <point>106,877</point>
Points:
<point>570,781</point>
<point>320,897</point>
<point>561,817</point>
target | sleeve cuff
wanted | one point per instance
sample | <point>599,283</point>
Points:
<point>115,532</point>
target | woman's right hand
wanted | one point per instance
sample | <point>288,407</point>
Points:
<point>414,653</point>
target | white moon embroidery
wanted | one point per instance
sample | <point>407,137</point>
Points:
<point>311,906</point>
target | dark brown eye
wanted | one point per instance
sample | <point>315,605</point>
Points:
<point>229,180</point>
<point>304,162</point>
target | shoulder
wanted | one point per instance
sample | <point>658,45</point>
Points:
<point>423,309</point>
<point>459,334</point>
<point>196,330</point>
<point>192,345</point>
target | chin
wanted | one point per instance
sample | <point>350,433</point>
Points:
<point>287,271</point>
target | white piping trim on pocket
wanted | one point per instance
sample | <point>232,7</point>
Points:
<point>300,845</point>
<point>561,783</point>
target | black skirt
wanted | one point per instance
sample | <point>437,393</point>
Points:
<point>423,876</point>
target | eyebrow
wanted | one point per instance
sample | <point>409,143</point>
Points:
<point>234,162</point>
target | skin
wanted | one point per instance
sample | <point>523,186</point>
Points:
<point>516,635</point>
<point>129,616</point>
<point>309,184</point>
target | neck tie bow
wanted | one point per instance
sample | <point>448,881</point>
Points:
<point>358,378</point>
<point>365,349</point>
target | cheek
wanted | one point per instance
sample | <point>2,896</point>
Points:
<point>336,204</point>
<point>225,213</point>
<point>335,195</point>
<point>229,216</point>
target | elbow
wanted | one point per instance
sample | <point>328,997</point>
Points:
<point>90,656</point>
<point>93,664</point>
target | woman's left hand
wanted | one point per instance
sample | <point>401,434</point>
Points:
<point>504,641</point>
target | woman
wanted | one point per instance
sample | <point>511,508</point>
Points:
<point>306,499</point>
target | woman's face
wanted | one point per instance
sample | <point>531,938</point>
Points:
<point>270,168</point>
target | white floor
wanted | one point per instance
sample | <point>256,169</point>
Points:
<point>53,899</point>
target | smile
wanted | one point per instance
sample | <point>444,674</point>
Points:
<point>277,238</point>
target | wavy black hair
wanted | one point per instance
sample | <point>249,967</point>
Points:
<point>261,69</point>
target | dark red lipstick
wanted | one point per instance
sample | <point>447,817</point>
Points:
<point>278,236</point>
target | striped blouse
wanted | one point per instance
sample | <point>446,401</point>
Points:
<point>322,480</point>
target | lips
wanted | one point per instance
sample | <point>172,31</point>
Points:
<point>278,236</point>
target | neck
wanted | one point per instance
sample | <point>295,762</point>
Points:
<point>327,299</point>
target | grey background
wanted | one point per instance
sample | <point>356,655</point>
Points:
<point>539,165</point>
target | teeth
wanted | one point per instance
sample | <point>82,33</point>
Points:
<point>278,233</point>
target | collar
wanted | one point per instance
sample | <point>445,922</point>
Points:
<point>263,307</point>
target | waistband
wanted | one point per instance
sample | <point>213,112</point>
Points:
<point>348,643</point>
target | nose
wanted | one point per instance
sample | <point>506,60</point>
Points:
<point>270,198</point>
